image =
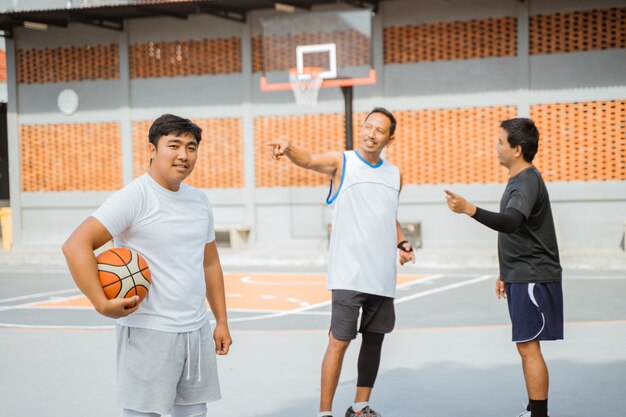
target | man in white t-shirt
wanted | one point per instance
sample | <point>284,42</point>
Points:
<point>165,356</point>
<point>364,192</point>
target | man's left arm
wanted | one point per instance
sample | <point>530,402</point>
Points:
<point>405,248</point>
<point>215,294</point>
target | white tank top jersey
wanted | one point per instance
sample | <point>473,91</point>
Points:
<point>362,254</point>
<point>170,229</point>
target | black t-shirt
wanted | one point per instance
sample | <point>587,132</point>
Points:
<point>530,253</point>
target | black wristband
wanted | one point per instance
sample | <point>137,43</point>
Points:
<point>401,246</point>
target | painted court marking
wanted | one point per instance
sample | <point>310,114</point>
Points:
<point>268,295</point>
<point>247,293</point>
<point>39,295</point>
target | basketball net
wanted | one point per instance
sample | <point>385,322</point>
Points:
<point>306,85</point>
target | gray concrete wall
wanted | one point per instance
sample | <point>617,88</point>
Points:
<point>589,214</point>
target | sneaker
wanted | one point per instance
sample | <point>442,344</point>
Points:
<point>527,414</point>
<point>365,412</point>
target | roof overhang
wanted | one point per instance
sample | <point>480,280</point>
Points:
<point>111,14</point>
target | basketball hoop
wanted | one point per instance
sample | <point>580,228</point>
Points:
<point>306,84</point>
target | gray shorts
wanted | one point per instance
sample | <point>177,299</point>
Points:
<point>157,369</point>
<point>378,314</point>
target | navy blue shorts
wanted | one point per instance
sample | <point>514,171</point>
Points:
<point>536,311</point>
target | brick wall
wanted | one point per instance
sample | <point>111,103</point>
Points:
<point>185,58</point>
<point>316,132</point>
<point>71,157</point>
<point>446,41</point>
<point>64,64</point>
<point>220,154</point>
<point>3,66</point>
<point>581,141</point>
<point>449,146</point>
<point>578,31</point>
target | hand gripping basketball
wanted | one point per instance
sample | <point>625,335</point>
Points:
<point>123,273</point>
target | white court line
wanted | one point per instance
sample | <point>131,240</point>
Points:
<point>11,270</point>
<point>297,311</point>
<point>51,327</point>
<point>302,313</point>
<point>29,306</point>
<point>39,295</point>
<point>279,314</point>
<point>427,279</point>
<point>325,303</point>
<point>251,310</point>
<point>250,280</point>
<point>444,288</point>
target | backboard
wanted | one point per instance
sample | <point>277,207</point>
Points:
<point>337,42</point>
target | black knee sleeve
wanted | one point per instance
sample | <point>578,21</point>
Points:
<point>369,358</point>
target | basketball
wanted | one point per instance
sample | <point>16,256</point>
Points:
<point>123,273</point>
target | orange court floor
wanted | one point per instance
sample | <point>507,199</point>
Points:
<point>261,292</point>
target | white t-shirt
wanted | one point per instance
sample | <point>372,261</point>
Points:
<point>362,253</point>
<point>170,230</point>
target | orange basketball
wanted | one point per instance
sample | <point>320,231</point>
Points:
<point>123,273</point>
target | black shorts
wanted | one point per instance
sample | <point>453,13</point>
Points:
<point>536,311</point>
<point>378,314</point>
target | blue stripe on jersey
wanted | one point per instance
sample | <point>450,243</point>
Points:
<point>343,175</point>
<point>379,163</point>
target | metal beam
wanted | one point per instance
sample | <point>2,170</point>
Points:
<point>95,20</point>
<point>224,12</point>
<point>161,12</point>
<point>20,19</point>
<point>291,3</point>
<point>363,4</point>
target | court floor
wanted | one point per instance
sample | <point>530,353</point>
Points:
<point>450,354</point>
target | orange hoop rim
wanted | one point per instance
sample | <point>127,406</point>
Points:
<point>311,71</point>
<point>336,82</point>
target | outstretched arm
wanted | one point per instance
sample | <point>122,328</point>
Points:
<point>78,251</point>
<point>506,222</point>
<point>327,163</point>
<point>215,294</point>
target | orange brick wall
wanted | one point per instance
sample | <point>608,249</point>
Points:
<point>443,146</point>
<point>581,141</point>
<point>220,154</point>
<point>3,66</point>
<point>578,31</point>
<point>316,132</point>
<point>448,41</point>
<point>279,52</point>
<point>71,157</point>
<point>184,58</point>
<point>74,63</point>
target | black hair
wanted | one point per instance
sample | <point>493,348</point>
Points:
<point>169,124</point>
<point>382,110</point>
<point>522,132</point>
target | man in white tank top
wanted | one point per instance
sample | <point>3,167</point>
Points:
<point>363,196</point>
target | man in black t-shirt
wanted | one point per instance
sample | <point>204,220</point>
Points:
<point>530,271</point>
